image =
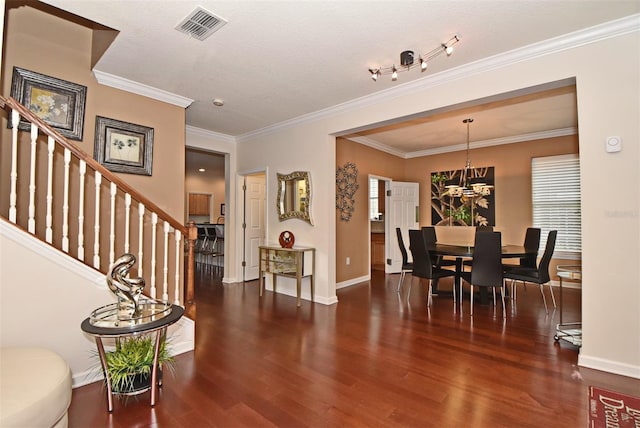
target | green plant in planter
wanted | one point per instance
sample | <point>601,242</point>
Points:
<point>132,360</point>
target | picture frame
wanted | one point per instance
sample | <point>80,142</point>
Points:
<point>222,209</point>
<point>123,147</point>
<point>59,103</point>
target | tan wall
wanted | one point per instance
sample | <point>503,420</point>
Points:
<point>49,45</point>
<point>512,192</point>
<point>512,164</point>
<point>352,237</point>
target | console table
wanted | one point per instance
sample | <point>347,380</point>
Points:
<point>104,323</point>
<point>296,262</point>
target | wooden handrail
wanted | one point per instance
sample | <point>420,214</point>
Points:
<point>45,128</point>
<point>189,233</point>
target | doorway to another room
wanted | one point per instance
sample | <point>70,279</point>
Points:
<point>377,222</point>
<point>205,206</point>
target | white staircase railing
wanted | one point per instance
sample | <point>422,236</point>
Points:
<point>64,197</point>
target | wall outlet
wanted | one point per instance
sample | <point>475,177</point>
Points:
<point>348,261</point>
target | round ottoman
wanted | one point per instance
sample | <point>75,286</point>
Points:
<point>35,388</point>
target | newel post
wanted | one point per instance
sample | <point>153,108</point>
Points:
<point>190,303</point>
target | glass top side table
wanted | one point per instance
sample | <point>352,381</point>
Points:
<point>156,317</point>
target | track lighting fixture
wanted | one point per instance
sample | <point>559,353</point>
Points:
<point>407,60</point>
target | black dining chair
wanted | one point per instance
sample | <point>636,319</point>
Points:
<point>537,275</point>
<point>531,245</point>
<point>422,265</point>
<point>486,266</point>
<point>406,265</point>
<point>431,239</point>
<point>479,228</point>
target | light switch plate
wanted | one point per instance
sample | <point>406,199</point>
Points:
<point>613,144</point>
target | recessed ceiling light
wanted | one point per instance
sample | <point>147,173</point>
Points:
<point>201,169</point>
<point>218,102</point>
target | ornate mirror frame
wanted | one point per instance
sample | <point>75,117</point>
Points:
<point>294,205</point>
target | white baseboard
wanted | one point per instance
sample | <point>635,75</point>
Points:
<point>353,281</point>
<point>609,366</point>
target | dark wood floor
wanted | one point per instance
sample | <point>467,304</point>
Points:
<point>374,359</point>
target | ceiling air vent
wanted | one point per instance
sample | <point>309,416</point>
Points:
<point>200,24</point>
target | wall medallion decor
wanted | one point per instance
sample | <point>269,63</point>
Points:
<point>59,103</point>
<point>123,147</point>
<point>346,187</point>
<point>473,207</point>
<point>286,239</point>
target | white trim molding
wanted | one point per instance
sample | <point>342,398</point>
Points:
<point>226,138</point>
<point>141,89</point>
<point>353,281</point>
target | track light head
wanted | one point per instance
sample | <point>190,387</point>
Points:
<point>423,64</point>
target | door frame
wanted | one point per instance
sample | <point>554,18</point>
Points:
<point>241,213</point>
<point>386,180</point>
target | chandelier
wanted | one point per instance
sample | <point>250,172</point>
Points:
<point>470,183</point>
<point>407,60</point>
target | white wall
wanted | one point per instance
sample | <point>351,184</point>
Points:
<point>300,149</point>
<point>33,277</point>
<point>607,73</point>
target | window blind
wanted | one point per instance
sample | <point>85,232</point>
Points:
<point>555,196</point>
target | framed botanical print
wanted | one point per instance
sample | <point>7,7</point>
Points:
<point>123,147</point>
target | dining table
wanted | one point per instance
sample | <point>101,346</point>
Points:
<point>461,252</point>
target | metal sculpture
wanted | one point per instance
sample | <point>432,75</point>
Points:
<point>126,289</point>
<point>346,186</point>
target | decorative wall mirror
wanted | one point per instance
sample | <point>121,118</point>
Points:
<point>294,196</point>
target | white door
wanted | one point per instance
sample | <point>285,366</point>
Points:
<point>254,231</point>
<point>403,207</point>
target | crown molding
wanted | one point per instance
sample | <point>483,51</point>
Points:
<point>562,132</point>
<point>141,89</point>
<point>553,133</point>
<point>192,130</point>
<point>378,146</point>
<point>616,28</point>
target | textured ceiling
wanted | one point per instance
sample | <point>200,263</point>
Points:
<point>277,60</point>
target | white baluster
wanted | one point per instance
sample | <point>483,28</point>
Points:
<point>178,238</point>
<point>96,226</point>
<point>140,236</point>
<point>127,217</point>
<point>112,225</point>
<point>31,224</point>
<point>154,228</point>
<point>83,170</point>
<point>65,202</point>
<point>165,266</point>
<point>49,219</point>
<point>15,118</point>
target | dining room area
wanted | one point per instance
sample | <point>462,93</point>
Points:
<point>518,201</point>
